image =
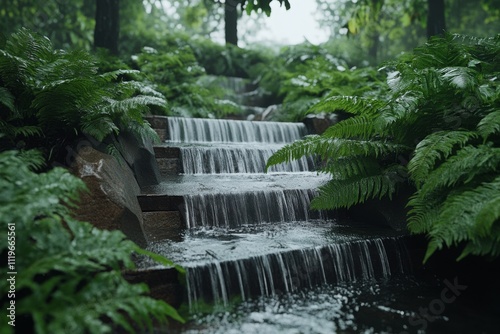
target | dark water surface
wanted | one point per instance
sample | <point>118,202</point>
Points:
<point>396,305</point>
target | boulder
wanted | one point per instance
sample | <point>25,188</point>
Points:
<point>111,202</point>
<point>140,156</point>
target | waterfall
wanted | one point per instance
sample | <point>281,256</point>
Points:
<point>197,130</point>
<point>236,159</point>
<point>289,271</point>
<point>245,208</point>
<point>232,247</point>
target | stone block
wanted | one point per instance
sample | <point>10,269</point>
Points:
<point>111,202</point>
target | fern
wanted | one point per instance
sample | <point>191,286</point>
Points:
<point>350,104</point>
<point>461,168</point>
<point>467,216</point>
<point>345,192</point>
<point>460,77</point>
<point>363,127</point>
<point>6,99</point>
<point>436,146</point>
<point>54,97</point>
<point>489,125</point>
<point>442,100</point>
<point>78,279</point>
<point>326,147</point>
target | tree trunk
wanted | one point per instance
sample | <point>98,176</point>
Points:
<point>231,21</point>
<point>436,24</point>
<point>107,25</point>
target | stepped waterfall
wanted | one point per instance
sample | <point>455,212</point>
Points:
<point>249,239</point>
<point>233,214</point>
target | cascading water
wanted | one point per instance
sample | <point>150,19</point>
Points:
<point>289,271</point>
<point>202,130</point>
<point>236,158</point>
<point>246,208</point>
<point>250,234</point>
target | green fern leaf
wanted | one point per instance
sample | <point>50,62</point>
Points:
<point>460,77</point>
<point>109,76</point>
<point>464,216</point>
<point>28,131</point>
<point>6,98</point>
<point>137,102</point>
<point>346,192</point>
<point>489,125</point>
<point>334,148</point>
<point>350,104</point>
<point>99,127</point>
<point>346,167</point>
<point>463,167</point>
<point>432,148</point>
<point>363,127</point>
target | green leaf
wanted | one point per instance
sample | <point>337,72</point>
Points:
<point>436,146</point>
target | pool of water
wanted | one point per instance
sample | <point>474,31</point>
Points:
<point>396,305</point>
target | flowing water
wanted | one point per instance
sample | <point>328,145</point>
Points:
<point>258,260</point>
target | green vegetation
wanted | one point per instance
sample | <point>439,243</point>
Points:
<point>77,285</point>
<point>50,98</point>
<point>437,129</point>
<point>302,75</point>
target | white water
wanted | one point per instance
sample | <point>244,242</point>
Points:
<point>289,271</point>
<point>202,130</point>
<point>250,158</point>
<point>247,208</point>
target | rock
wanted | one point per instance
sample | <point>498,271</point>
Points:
<point>318,123</point>
<point>140,157</point>
<point>111,202</point>
<point>159,124</point>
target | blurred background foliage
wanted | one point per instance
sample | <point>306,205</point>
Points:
<point>177,44</point>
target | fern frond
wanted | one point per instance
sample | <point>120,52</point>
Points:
<point>460,77</point>
<point>462,167</point>
<point>137,102</point>
<point>346,167</point>
<point>464,216</point>
<point>27,131</point>
<point>113,151</point>
<point>431,149</point>
<point>345,193</point>
<point>362,127</point>
<point>143,130</point>
<point>423,212</point>
<point>110,76</point>
<point>489,125</point>
<point>99,126</point>
<point>333,148</point>
<point>350,104</point>
<point>6,98</point>
<point>142,88</point>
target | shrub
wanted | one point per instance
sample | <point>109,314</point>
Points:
<point>438,129</point>
<point>304,74</point>
<point>48,97</point>
<point>68,272</point>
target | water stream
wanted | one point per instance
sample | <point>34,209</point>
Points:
<point>258,260</point>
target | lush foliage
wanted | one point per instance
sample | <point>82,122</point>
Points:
<point>385,28</point>
<point>437,129</point>
<point>302,75</point>
<point>68,272</point>
<point>49,98</point>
